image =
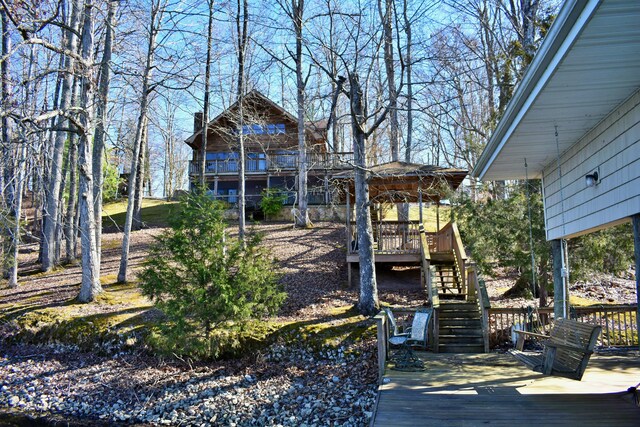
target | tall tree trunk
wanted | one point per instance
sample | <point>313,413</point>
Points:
<point>297,9</point>
<point>157,11</point>
<point>101,120</point>
<point>409,70</point>
<point>6,171</point>
<point>70,230</point>
<point>386,17</point>
<point>140,178</point>
<point>52,204</point>
<point>4,92</point>
<point>20,170</point>
<point>90,286</point>
<point>242,19</point>
<point>205,110</point>
<point>17,209</point>
<point>368,299</point>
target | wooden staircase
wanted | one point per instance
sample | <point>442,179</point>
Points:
<point>460,327</point>
<point>454,292</point>
<point>447,278</point>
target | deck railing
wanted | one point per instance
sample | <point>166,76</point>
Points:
<point>274,161</point>
<point>315,196</point>
<point>392,237</point>
<point>618,322</point>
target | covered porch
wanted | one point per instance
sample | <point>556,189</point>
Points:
<point>404,237</point>
<point>494,389</point>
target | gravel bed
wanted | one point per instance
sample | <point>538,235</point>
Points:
<point>284,387</point>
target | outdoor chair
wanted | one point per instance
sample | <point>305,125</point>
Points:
<point>416,335</point>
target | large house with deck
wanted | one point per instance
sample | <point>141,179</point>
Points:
<point>272,156</point>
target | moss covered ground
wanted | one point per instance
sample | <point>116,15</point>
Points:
<point>154,213</point>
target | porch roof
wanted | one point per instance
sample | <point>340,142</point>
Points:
<point>397,182</point>
<point>587,65</point>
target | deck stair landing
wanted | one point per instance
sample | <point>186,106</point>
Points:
<point>460,328</point>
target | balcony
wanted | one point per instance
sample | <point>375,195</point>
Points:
<point>257,163</point>
<point>315,196</point>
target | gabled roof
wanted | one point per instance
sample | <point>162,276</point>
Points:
<point>588,64</point>
<point>253,95</point>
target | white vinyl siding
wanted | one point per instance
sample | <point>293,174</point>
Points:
<point>613,146</point>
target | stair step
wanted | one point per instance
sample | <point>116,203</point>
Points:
<point>461,330</point>
<point>444,309</point>
<point>458,340</point>
<point>461,348</point>
<point>459,306</point>
<point>452,316</point>
<point>466,323</point>
<point>453,313</point>
<point>452,297</point>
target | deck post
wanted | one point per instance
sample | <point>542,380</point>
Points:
<point>215,186</point>
<point>635,219</point>
<point>348,215</point>
<point>326,189</point>
<point>420,201</point>
<point>558,281</point>
<point>348,234</point>
<point>383,337</point>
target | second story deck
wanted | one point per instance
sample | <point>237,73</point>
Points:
<point>401,241</point>
<point>226,163</point>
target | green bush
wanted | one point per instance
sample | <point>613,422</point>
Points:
<point>272,201</point>
<point>497,234</point>
<point>208,284</point>
<point>608,251</point>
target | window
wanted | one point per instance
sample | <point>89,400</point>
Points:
<point>222,156</point>
<point>256,162</point>
<point>221,162</point>
<point>269,129</point>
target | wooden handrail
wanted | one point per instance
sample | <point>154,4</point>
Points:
<point>425,260</point>
<point>432,290</point>
<point>460,253</point>
<point>477,291</point>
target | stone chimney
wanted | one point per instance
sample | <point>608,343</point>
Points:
<point>197,121</point>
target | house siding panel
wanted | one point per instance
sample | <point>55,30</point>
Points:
<point>613,147</point>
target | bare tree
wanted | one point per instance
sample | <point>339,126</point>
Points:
<point>387,14</point>
<point>359,57</point>
<point>242,19</point>
<point>157,11</point>
<point>207,90</point>
<point>101,120</point>
<point>52,204</point>
<point>19,175</point>
<point>90,286</point>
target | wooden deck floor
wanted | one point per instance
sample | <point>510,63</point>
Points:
<point>495,390</point>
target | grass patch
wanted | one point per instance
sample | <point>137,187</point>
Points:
<point>118,317</point>
<point>342,327</point>
<point>429,215</point>
<point>154,213</point>
<point>121,318</point>
<point>577,301</point>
